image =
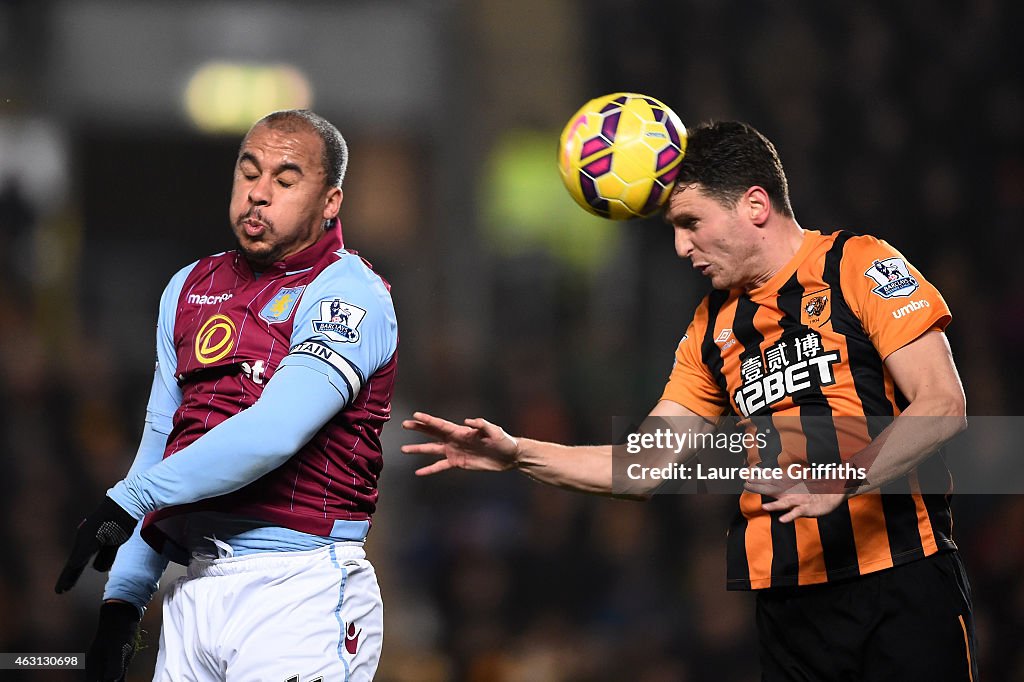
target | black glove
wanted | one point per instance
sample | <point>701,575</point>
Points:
<point>100,533</point>
<point>115,643</point>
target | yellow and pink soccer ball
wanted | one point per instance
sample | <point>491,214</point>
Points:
<point>619,155</point>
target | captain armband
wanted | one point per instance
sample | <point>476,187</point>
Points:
<point>336,360</point>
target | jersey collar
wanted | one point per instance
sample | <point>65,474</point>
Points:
<point>330,242</point>
<point>772,286</point>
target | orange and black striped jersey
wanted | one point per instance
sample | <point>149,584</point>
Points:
<point>810,343</point>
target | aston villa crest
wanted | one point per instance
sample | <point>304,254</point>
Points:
<point>280,308</point>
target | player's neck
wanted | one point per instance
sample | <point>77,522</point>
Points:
<point>779,246</point>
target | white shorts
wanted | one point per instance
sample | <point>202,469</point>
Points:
<point>274,617</point>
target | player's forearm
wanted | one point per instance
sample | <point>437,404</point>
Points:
<point>135,575</point>
<point>591,468</point>
<point>296,403</point>
<point>136,572</point>
<point>586,468</point>
<point>910,439</point>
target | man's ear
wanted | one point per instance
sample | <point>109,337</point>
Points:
<point>332,204</point>
<point>757,205</point>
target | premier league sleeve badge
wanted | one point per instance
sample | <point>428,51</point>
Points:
<point>339,321</point>
<point>893,278</point>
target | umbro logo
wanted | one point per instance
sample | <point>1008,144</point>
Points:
<point>725,339</point>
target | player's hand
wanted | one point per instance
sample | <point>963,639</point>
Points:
<point>478,445</point>
<point>804,504</point>
<point>115,643</point>
<point>100,533</point>
<point>795,500</point>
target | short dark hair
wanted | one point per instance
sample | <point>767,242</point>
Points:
<point>726,158</point>
<point>335,155</point>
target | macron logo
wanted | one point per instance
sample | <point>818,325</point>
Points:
<point>352,638</point>
<point>204,299</point>
<point>910,307</point>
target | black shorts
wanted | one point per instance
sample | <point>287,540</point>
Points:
<point>910,622</point>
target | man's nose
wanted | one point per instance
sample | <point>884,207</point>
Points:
<point>260,191</point>
<point>684,246</point>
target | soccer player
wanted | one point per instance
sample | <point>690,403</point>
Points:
<point>861,581</point>
<point>259,459</point>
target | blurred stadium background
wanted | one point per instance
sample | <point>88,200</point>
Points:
<point>118,128</point>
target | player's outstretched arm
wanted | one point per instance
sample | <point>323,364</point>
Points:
<point>479,445</point>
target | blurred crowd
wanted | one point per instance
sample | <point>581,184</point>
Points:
<point>896,119</point>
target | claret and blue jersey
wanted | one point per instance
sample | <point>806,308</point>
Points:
<point>234,455</point>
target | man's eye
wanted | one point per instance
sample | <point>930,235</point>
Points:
<point>285,183</point>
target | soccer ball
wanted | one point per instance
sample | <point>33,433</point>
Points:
<point>619,155</point>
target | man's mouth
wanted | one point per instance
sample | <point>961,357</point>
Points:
<point>253,227</point>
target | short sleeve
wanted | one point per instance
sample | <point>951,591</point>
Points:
<point>345,325</point>
<point>690,383</point>
<point>893,301</point>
